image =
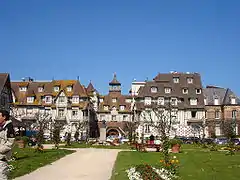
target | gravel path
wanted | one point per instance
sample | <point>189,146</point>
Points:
<point>85,164</point>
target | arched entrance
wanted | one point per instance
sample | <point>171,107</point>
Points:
<point>112,132</point>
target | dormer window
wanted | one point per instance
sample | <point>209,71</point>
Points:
<point>40,89</point>
<point>75,99</point>
<point>160,101</point>
<point>148,101</point>
<point>105,108</point>
<point>216,101</point>
<point>30,99</point>
<point>167,90</point>
<point>101,100</point>
<point>193,102</point>
<point>189,80</point>
<point>69,88</point>
<point>205,101</point>
<point>174,101</point>
<point>185,91</point>
<point>48,99</point>
<point>198,91</point>
<point>154,89</point>
<point>56,88</point>
<point>122,108</point>
<point>176,80</point>
<point>233,100</point>
<point>23,89</point>
<point>114,100</point>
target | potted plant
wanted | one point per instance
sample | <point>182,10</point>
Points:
<point>175,145</point>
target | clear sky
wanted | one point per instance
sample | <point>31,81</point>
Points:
<point>93,39</point>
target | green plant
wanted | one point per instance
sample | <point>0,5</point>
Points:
<point>25,139</point>
<point>175,141</point>
<point>147,172</point>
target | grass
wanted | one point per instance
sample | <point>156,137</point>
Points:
<point>83,145</point>
<point>195,163</point>
<point>27,160</point>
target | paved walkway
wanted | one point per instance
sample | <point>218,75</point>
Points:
<point>85,164</point>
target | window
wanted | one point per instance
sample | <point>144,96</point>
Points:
<point>122,108</point>
<point>161,101</point>
<point>128,100</point>
<point>23,89</point>
<point>193,114</point>
<point>217,114</point>
<point>114,118</point>
<point>114,100</point>
<point>189,80</point>
<point>147,128</point>
<point>148,100</point>
<point>48,99</point>
<point>193,102</point>
<point>185,91</point>
<point>61,99</point>
<point>174,101</point>
<point>234,114</point>
<point>30,99</point>
<point>69,88</point>
<point>75,99</point>
<point>176,80</point>
<point>101,100</point>
<point>29,111</point>
<point>56,88</point>
<point>61,112</point>
<point>198,91</point>
<point>216,101</point>
<point>205,101</point>
<point>124,117</point>
<point>153,89</point>
<point>74,113</point>
<point>102,117</point>
<point>40,89</point>
<point>105,108</point>
<point>167,90</point>
<point>233,100</point>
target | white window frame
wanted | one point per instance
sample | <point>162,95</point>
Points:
<point>190,80</point>
<point>167,90</point>
<point>76,115</point>
<point>101,100</point>
<point>105,108</point>
<point>56,88</point>
<point>148,100</point>
<point>50,99</point>
<point>23,89</point>
<point>185,90</point>
<point>69,88</point>
<point>114,100</point>
<point>40,89</point>
<point>61,99</point>
<point>193,102</point>
<point>200,91</point>
<point>176,79</point>
<point>233,100</point>
<point>122,108</point>
<point>176,101</point>
<point>75,99</point>
<point>30,99</point>
<point>160,101</point>
<point>124,117</point>
<point>205,101</point>
<point>216,101</point>
<point>217,114</point>
<point>154,89</point>
<point>59,114</point>
<point>114,117</point>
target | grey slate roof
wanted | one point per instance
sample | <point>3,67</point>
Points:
<point>223,94</point>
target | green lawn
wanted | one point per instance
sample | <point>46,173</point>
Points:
<point>83,145</point>
<point>195,164</point>
<point>28,160</point>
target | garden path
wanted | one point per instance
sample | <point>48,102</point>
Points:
<point>84,164</point>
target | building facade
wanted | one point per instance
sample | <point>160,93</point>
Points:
<point>179,92</point>
<point>63,101</point>
<point>5,92</point>
<point>222,109</point>
<point>115,109</point>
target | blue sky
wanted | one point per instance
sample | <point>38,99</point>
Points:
<point>93,39</point>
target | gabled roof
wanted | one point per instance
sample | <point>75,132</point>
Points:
<point>224,95</point>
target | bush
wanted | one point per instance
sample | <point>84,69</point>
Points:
<point>175,141</point>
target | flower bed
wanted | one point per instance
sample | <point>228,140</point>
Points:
<point>147,172</point>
